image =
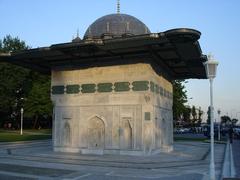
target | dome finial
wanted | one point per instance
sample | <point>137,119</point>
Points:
<point>118,6</point>
<point>77,32</point>
<point>77,39</point>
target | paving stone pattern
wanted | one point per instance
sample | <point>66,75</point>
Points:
<point>36,160</point>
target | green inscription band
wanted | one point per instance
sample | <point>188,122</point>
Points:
<point>147,116</point>
<point>104,87</point>
<point>108,87</point>
<point>152,86</point>
<point>121,86</point>
<point>72,89</point>
<point>161,91</point>
<point>168,94</point>
<point>88,88</point>
<point>57,89</point>
<point>164,92</point>
<point>140,85</point>
<point>156,88</point>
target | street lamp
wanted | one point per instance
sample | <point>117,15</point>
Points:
<point>211,69</point>
<point>21,121</point>
<point>21,131</point>
<point>219,112</point>
<point>237,114</point>
<point>232,110</point>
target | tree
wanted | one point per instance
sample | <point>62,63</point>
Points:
<point>11,79</point>
<point>194,115</point>
<point>38,102</point>
<point>209,115</point>
<point>228,120</point>
<point>179,99</point>
<point>20,87</point>
<point>225,120</point>
<point>9,44</point>
<point>200,113</point>
<point>187,115</point>
<point>234,121</point>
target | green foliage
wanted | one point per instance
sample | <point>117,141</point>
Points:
<point>194,116</point>
<point>194,113</point>
<point>38,101</point>
<point>179,99</point>
<point>187,114</point>
<point>12,77</point>
<point>234,121</point>
<point>200,113</point>
<point>9,44</point>
<point>180,110</point>
<point>209,115</point>
<point>228,121</point>
<point>225,119</point>
<point>20,87</point>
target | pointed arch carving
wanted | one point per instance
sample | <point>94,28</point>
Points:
<point>96,133</point>
<point>126,135</point>
<point>67,134</point>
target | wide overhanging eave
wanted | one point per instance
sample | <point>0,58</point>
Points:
<point>177,50</point>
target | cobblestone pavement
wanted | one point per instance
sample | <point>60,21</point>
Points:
<point>236,156</point>
<point>35,160</point>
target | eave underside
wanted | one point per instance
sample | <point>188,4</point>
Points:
<point>174,53</point>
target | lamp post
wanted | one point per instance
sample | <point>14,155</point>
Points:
<point>219,112</point>
<point>232,110</point>
<point>237,114</point>
<point>211,68</point>
<point>21,121</point>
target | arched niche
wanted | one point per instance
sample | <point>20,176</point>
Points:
<point>96,133</point>
<point>126,135</point>
<point>66,134</point>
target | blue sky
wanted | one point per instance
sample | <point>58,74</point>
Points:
<point>46,22</point>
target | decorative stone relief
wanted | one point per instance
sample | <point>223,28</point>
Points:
<point>148,138</point>
<point>67,135</point>
<point>67,114</point>
<point>147,98</point>
<point>126,134</point>
<point>110,112</point>
<point>96,133</point>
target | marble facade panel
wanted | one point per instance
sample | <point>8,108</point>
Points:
<point>135,119</point>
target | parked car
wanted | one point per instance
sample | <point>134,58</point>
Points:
<point>206,131</point>
<point>182,130</point>
<point>236,131</point>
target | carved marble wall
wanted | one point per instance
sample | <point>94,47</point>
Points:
<point>112,110</point>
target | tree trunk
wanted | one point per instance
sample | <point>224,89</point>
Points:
<point>35,122</point>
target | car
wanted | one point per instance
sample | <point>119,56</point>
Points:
<point>236,132</point>
<point>181,130</point>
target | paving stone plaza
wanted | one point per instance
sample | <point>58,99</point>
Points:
<point>37,160</point>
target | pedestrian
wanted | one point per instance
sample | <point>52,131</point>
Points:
<point>230,134</point>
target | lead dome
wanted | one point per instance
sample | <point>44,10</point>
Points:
<point>116,25</point>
